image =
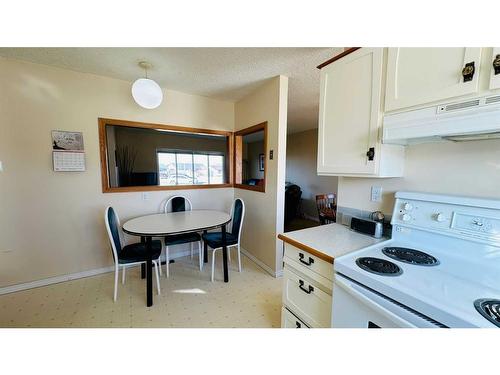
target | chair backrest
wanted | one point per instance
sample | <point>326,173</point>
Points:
<point>237,215</point>
<point>177,203</point>
<point>113,228</point>
<point>325,201</point>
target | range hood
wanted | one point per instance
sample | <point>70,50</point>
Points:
<point>471,119</point>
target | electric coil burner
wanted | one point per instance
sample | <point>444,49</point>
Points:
<point>379,266</point>
<point>490,309</point>
<point>410,256</point>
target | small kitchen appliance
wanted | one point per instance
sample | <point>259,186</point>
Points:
<point>440,269</point>
<point>370,227</point>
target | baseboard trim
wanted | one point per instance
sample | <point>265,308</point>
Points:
<point>73,276</point>
<point>258,262</point>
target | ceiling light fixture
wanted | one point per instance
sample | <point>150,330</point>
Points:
<point>146,92</point>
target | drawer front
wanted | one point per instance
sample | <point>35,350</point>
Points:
<point>309,261</point>
<point>288,320</point>
<point>305,299</point>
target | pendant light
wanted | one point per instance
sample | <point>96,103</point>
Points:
<point>146,92</point>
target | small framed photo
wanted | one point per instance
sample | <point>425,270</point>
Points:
<point>261,162</point>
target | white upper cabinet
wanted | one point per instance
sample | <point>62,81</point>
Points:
<point>350,117</point>
<point>495,69</point>
<point>417,76</point>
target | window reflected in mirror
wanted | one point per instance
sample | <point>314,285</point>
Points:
<point>147,156</point>
<point>250,157</point>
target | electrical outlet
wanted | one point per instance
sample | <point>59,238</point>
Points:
<point>376,194</point>
<point>146,196</point>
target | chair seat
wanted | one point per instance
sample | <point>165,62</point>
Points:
<point>214,239</point>
<point>137,252</point>
<point>178,239</point>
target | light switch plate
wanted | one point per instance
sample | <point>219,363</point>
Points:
<point>1,167</point>
<point>146,196</point>
<point>376,195</point>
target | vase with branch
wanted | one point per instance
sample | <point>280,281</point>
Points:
<point>125,159</point>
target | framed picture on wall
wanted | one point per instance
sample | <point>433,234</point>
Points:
<point>261,162</point>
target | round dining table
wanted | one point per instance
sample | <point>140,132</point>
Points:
<point>165,224</point>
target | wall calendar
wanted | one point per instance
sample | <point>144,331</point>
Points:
<point>68,154</point>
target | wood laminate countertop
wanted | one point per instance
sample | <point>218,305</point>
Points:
<point>328,241</point>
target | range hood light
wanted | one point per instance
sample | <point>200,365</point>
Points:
<point>472,137</point>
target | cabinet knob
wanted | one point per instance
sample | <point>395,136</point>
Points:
<point>468,71</point>
<point>370,153</point>
<point>496,64</point>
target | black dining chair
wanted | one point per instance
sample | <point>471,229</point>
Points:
<point>233,236</point>
<point>128,255</point>
<point>180,203</point>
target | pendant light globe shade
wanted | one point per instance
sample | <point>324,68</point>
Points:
<point>147,93</point>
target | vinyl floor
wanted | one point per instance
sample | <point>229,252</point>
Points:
<point>188,299</point>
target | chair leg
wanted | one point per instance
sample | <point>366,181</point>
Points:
<point>239,258</point>
<point>123,274</point>
<point>191,245</point>
<point>213,265</point>
<point>115,294</point>
<point>200,255</point>
<point>157,265</point>
<point>167,258</point>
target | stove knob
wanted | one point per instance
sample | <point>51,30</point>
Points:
<point>406,217</point>
<point>440,217</point>
<point>408,206</point>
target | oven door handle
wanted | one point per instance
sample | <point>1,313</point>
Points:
<point>351,289</point>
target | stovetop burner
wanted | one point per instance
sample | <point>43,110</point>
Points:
<point>490,309</point>
<point>410,256</point>
<point>379,266</point>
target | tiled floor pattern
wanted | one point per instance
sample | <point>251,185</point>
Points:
<point>252,298</point>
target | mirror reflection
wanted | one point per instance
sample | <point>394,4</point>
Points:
<point>253,159</point>
<point>145,156</point>
<point>250,151</point>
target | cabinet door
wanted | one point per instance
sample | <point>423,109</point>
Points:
<point>304,297</point>
<point>288,320</point>
<point>418,76</point>
<point>495,78</point>
<point>349,113</point>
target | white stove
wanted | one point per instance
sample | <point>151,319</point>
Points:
<point>440,269</point>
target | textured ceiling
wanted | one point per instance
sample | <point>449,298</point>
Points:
<point>222,73</point>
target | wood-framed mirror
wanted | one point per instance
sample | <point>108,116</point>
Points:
<point>250,158</point>
<point>137,156</point>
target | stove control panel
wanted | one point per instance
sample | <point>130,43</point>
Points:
<point>453,219</point>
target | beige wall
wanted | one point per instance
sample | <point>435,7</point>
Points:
<point>264,211</point>
<point>301,167</point>
<point>51,223</point>
<point>465,168</point>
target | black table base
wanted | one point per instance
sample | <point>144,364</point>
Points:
<point>147,268</point>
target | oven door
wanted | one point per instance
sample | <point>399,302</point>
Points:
<point>355,306</point>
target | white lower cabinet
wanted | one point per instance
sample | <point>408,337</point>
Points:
<point>307,291</point>
<point>288,320</point>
